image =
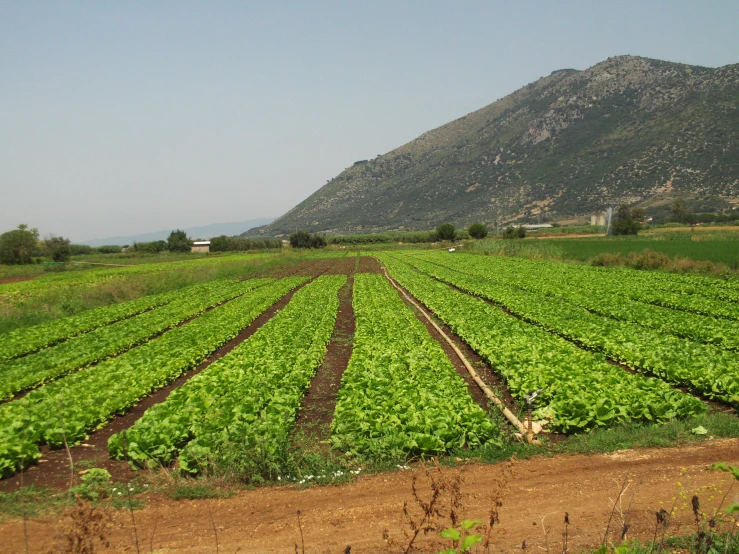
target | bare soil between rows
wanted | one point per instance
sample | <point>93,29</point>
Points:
<point>536,493</point>
<point>52,470</point>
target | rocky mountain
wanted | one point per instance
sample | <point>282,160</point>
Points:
<point>629,129</point>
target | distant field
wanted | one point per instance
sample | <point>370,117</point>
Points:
<point>717,251</point>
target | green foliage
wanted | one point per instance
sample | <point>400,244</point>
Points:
<point>446,231</point>
<point>96,485</point>
<point>80,249</point>
<point>110,340</point>
<point>304,239</point>
<point>153,247</point>
<point>19,246</point>
<point>704,368</point>
<point>110,249</point>
<point>462,538</point>
<point>57,248</point>
<point>218,407</point>
<point>240,244</point>
<point>625,223</point>
<point>580,390</point>
<point>178,241</point>
<point>197,491</point>
<point>679,211</point>
<point>72,407</point>
<point>478,231</point>
<point>515,232</point>
<point>400,394</point>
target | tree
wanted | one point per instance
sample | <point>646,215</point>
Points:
<point>478,231</point>
<point>18,246</point>
<point>625,223</point>
<point>304,239</point>
<point>219,244</point>
<point>57,248</point>
<point>446,231</point>
<point>638,215</point>
<point>178,242</point>
<point>678,210</point>
<point>515,232</point>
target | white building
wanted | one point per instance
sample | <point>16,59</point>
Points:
<point>201,246</point>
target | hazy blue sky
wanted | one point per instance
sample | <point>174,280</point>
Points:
<point>127,117</point>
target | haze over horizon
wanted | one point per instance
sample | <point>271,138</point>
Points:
<point>129,118</point>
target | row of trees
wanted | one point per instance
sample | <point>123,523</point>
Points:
<point>22,245</point>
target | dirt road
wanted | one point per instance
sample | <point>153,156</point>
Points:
<point>537,495</point>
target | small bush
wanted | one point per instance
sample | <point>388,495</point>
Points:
<point>514,232</point>
<point>304,239</point>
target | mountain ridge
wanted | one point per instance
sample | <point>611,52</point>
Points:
<point>203,232</point>
<point>627,130</point>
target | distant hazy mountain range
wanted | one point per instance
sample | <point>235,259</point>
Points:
<point>628,130</point>
<point>204,232</point>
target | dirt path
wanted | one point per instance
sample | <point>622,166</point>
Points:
<point>538,494</point>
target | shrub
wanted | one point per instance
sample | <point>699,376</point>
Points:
<point>109,249</point>
<point>514,232</point>
<point>80,249</point>
<point>153,247</point>
<point>478,231</point>
<point>57,248</point>
<point>446,231</point>
<point>304,239</point>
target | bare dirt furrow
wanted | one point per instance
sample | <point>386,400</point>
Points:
<point>52,471</point>
<point>319,402</point>
<point>483,369</point>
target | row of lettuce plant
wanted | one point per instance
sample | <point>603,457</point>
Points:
<point>629,283</point>
<point>250,397</point>
<point>579,389</point>
<point>25,340</point>
<point>710,287</point>
<point>706,369</point>
<point>400,394</point>
<point>79,352</point>
<point>697,327</point>
<point>72,407</point>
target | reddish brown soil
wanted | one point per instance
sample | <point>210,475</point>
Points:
<point>369,264</point>
<point>319,402</point>
<point>52,471</point>
<point>4,280</point>
<point>536,497</point>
